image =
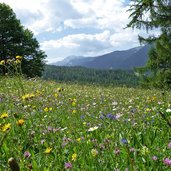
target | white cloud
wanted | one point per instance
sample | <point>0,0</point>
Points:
<point>61,25</point>
<point>103,14</point>
<point>79,44</point>
<point>91,44</point>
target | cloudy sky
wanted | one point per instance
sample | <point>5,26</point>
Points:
<point>76,27</point>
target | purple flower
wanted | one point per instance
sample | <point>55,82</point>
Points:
<point>27,154</point>
<point>169,145</point>
<point>167,161</point>
<point>68,165</point>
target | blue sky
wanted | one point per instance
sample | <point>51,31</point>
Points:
<point>77,27</point>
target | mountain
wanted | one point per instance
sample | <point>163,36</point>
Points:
<point>126,59</point>
<point>74,61</point>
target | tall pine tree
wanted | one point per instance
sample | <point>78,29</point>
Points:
<point>16,40</point>
<point>151,15</point>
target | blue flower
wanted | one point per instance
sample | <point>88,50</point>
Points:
<point>111,116</point>
<point>124,141</point>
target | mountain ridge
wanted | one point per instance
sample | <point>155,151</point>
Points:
<point>120,59</point>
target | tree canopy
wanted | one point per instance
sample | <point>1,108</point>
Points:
<point>151,15</point>
<point>16,40</point>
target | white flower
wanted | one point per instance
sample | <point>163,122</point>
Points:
<point>168,110</point>
<point>93,129</point>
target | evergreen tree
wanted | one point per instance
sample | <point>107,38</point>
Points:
<point>16,40</point>
<point>154,14</point>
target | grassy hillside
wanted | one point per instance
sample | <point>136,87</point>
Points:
<point>48,126</point>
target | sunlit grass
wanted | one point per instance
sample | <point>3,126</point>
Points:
<point>52,126</point>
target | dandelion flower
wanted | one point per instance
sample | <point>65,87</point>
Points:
<point>6,127</point>
<point>56,95</point>
<point>2,62</point>
<point>28,96</point>
<point>18,61</point>
<point>74,156</point>
<point>60,89</point>
<point>74,111</point>
<point>48,150</point>
<point>73,104</point>
<point>46,109</point>
<point>4,115</point>
<point>18,57</point>
<point>20,122</point>
<point>78,139</point>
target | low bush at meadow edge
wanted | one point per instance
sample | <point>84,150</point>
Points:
<point>55,126</point>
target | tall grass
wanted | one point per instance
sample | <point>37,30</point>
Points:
<point>53,127</point>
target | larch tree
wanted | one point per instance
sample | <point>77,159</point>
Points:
<point>154,15</point>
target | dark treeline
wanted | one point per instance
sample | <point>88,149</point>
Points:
<point>90,76</point>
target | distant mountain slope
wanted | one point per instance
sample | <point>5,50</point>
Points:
<point>127,59</point>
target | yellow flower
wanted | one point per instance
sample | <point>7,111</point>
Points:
<point>4,115</point>
<point>48,150</point>
<point>2,62</point>
<point>6,127</point>
<point>74,156</point>
<point>144,150</point>
<point>50,109</point>
<point>18,57</point>
<point>28,96</point>
<point>46,109</point>
<point>74,111</point>
<point>73,104</point>
<point>94,152</point>
<point>56,95</point>
<point>78,139</point>
<point>18,61</point>
<point>20,122</point>
<point>9,61</point>
<point>60,89</point>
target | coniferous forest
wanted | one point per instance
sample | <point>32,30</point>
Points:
<point>90,76</point>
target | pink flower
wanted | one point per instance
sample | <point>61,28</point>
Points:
<point>117,151</point>
<point>27,154</point>
<point>167,161</point>
<point>154,158</point>
<point>169,145</point>
<point>68,165</point>
<point>132,149</point>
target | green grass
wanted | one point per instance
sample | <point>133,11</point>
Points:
<point>127,130</point>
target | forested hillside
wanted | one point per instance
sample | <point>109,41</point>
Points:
<point>91,76</point>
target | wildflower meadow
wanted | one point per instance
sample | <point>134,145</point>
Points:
<point>51,126</point>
